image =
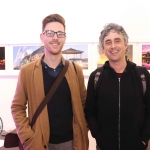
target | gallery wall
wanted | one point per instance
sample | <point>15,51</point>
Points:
<point>20,24</point>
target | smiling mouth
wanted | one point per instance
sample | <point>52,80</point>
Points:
<point>55,44</point>
<point>114,51</point>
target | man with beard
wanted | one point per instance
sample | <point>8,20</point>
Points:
<point>117,112</point>
<point>61,125</point>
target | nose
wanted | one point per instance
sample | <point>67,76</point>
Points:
<point>113,45</point>
<point>55,36</point>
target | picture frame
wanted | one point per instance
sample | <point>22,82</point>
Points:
<point>79,53</point>
<point>145,55</point>
<point>2,58</point>
<point>23,55</point>
<point>9,60</point>
<point>101,57</point>
<point>5,71</point>
<point>87,55</point>
<point>19,55</point>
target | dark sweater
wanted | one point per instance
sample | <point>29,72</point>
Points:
<point>59,110</point>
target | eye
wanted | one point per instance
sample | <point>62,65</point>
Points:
<point>117,40</point>
<point>107,42</point>
<point>50,32</point>
<point>60,33</point>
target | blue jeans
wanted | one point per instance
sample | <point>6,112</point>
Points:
<point>62,146</point>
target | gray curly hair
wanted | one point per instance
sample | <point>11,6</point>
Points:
<point>114,28</point>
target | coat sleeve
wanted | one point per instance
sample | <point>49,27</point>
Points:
<point>91,107</point>
<point>146,129</point>
<point>18,109</point>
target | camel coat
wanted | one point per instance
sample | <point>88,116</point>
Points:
<point>28,96</point>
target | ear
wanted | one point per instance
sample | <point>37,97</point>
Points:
<point>41,37</point>
<point>126,47</point>
<point>65,38</point>
<point>102,50</point>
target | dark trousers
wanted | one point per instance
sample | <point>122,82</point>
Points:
<point>62,146</point>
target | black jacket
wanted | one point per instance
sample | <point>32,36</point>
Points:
<point>119,116</point>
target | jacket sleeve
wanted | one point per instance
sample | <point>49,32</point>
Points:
<point>18,109</point>
<point>146,130</point>
<point>91,107</point>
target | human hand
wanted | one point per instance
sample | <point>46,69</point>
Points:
<point>144,143</point>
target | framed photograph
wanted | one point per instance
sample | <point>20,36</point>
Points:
<point>76,53</point>
<point>79,53</point>
<point>129,55</point>
<point>25,54</point>
<point>20,55</point>
<point>146,56</point>
<point>101,57</point>
<point>2,58</point>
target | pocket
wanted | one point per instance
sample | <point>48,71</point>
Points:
<point>28,143</point>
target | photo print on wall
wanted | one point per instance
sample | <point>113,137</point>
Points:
<point>73,52</point>
<point>25,54</point>
<point>101,57</point>
<point>2,58</point>
<point>146,56</point>
<point>76,53</point>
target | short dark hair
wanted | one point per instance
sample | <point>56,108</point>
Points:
<point>115,28</point>
<point>53,18</point>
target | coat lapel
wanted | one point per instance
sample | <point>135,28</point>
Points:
<point>40,94</point>
<point>38,82</point>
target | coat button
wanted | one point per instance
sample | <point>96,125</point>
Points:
<point>45,146</point>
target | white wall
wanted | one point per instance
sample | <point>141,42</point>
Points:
<point>21,19</point>
<point>7,89</point>
<point>20,23</point>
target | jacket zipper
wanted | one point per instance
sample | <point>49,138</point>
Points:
<point>119,118</point>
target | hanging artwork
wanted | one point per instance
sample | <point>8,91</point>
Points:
<point>25,54</point>
<point>2,58</point>
<point>77,53</point>
<point>146,56</point>
<point>101,57</point>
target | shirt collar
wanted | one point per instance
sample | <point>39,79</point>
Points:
<point>45,65</point>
